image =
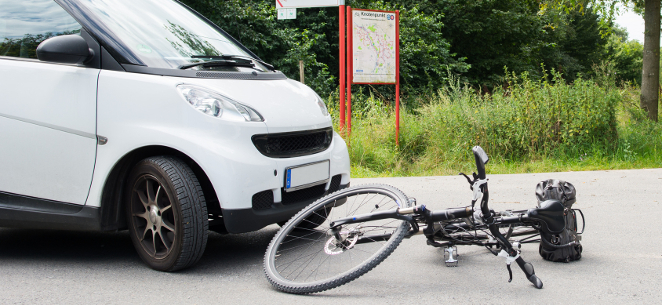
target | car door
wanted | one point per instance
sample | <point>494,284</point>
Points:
<point>47,110</point>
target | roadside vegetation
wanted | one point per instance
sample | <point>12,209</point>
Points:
<point>527,125</point>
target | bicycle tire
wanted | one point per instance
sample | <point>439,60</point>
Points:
<point>301,260</point>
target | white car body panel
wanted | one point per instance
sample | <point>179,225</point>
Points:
<point>47,129</point>
<point>138,110</point>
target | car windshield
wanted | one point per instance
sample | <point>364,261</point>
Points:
<point>164,34</point>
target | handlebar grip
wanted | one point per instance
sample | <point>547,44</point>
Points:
<point>481,159</point>
<point>529,272</point>
<point>481,168</point>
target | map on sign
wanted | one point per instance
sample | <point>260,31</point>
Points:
<point>374,46</point>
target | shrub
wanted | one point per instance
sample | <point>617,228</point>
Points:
<point>521,121</point>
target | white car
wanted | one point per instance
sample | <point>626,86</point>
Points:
<point>142,114</point>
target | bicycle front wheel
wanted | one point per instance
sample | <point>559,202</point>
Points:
<point>302,260</point>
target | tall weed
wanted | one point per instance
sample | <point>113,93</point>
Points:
<point>524,121</point>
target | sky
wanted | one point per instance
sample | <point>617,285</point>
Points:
<point>633,23</point>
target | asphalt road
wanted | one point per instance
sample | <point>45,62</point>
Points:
<point>622,259</point>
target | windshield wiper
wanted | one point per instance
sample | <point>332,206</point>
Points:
<point>219,63</point>
<point>235,57</point>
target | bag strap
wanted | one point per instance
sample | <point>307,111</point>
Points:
<point>583,221</point>
<point>570,244</point>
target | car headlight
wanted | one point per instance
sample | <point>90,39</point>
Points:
<point>322,105</point>
<point>218,105</point>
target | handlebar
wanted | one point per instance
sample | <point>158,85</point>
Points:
<point>481,159</point>
<point>528,271</point>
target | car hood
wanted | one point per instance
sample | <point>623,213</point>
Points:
<point>286,105</point>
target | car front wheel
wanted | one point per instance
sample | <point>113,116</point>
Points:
<point>166,213</point>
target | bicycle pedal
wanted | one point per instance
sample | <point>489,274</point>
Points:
<point>450,256</point>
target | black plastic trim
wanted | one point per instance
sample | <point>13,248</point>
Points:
<point>95,61</point>
<point>247,220</point>
<point>205,74</point>
<point>108,62</point>
<point>261,142</point>
<point>18,211</point>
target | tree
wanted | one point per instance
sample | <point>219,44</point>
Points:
<point>650,72</point>
<point>471,39</point>
<point>520,35</point>
<point>625,55</point>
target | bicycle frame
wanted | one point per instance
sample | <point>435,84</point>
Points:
<point>433,220</point>
<point>429,223</point>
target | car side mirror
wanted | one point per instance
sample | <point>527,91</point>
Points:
<point>66,49</point>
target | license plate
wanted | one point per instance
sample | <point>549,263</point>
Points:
<point>302,176</point>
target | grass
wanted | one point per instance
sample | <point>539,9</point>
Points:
<point>528,126</point>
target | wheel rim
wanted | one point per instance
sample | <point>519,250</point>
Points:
<point>305,256</point>
<point>153,217</point>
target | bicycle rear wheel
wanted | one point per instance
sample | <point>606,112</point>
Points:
<point>302,260</point>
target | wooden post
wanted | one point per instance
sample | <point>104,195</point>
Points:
<point>301,70</point>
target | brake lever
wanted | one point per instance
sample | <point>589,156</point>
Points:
<point>510,273</point>
<point>509,260</point>
<point>471,183</point>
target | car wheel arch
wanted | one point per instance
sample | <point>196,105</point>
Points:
<point>112,205</point>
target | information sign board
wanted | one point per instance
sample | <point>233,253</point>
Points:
<point>287,13</point>
<point>307,3</point>
<point>373,47</point>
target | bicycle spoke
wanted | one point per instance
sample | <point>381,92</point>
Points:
<point>302,256</point>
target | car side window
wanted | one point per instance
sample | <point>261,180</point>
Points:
<point>25,24</point>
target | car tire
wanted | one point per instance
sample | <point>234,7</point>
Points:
<point>166,213</point>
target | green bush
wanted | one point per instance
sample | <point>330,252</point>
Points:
<point>626,56</point>
<point>523,121</point>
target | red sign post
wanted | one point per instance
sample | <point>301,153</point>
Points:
<point>373,57</point>
<point>341,24</point>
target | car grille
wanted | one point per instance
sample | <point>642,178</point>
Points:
<point>264,200</point>
<point>335,184</point>
<point>293,144</point>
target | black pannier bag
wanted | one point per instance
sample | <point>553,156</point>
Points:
<point>564,246</point>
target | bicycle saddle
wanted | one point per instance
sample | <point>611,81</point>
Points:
<point>550,215</point>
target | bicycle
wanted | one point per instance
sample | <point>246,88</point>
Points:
<point>346,234</point>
